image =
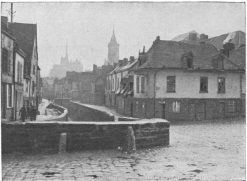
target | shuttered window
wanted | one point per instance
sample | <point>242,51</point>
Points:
<point>142,84</point>
<point>9,95</point>
<point>137,85</point>
<point>4,60</point>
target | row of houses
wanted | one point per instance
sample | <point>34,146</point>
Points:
<point>20,74</point>
<point>191,77</point>
<point>86,87</point>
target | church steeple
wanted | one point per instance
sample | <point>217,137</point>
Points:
<point>66,51</point>
<point>113,50</point>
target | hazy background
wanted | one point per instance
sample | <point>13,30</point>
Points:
<point>87,27</point>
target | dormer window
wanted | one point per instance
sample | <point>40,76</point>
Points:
<point>218,62</point>
<point>187,60</point>
<point>189,63</point>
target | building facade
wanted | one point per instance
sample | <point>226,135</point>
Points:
<point>26,38</point>
<point>19,81</point>
<point>181,81</point>
<point>7,72</point>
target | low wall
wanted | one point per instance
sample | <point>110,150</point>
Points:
<point>45,136</point>
<point>79,112</point>
<point>64,112</point>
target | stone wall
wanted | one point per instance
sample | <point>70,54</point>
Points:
<point>45,136</point>
<point>80,112</point>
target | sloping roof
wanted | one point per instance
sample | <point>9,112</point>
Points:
<point>127,66</point>
<point>6,30</point>
<point>25,35</point>
<point>237,56</point>
<point>185,36</point>
<point>168,54</point>
<point>237,37</point>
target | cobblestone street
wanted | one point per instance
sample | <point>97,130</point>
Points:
<point>201,151</point>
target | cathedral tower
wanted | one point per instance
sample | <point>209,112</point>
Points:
<point>113,50</point>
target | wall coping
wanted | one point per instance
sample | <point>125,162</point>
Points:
<point>139,122</point>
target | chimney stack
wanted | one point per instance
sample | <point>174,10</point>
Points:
<point>192,36</point>
<point>125,61</point>
<point>203,37</point>
<point>4,19</point>
<point>94,68</point>
<point>227,48</point>
<point>120,63</point>
<point>143,49</point>
<point>132,59</point>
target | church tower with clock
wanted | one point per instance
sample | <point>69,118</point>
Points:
<point>113,50</point>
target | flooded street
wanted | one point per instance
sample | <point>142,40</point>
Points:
<point>201,151</point>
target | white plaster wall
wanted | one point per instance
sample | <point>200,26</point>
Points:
<point>188,85</point>
<point>148,86</point>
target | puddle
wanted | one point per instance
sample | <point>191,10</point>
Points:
<point>50,174</point>
<point>197,171</point>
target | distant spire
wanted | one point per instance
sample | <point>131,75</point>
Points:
<point>66,50</point>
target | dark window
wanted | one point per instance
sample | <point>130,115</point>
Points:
<point>5,60</point>
<point>33,86</point>
<point>231,106</point>
<point>137,84</point>
<point>171,81</point>
<point>204,84</point>
<point>221,85</point>
<point>33,69</point>
<point>142,85</point>
<point>189,63</point>
<point>10,95</point>
<point>18,72</point>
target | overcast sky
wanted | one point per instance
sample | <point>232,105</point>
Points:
<point>88,27</point>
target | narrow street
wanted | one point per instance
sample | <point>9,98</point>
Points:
<point>197,151</point>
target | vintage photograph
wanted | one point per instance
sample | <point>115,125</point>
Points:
<point>123,91</point>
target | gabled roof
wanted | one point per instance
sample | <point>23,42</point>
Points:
<point>127,66</point>
<point>185,36</point>
<point>168,54</point>
<point>25,35</point>
<point>6,31</point>
<point>237,37</point>
<point>237,56</point>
